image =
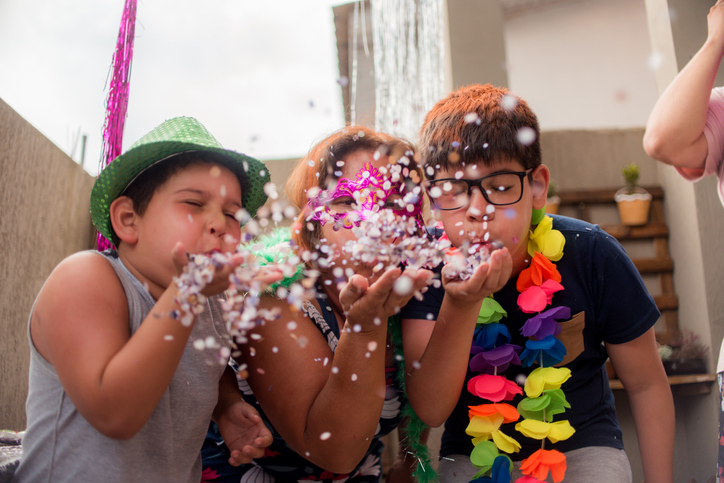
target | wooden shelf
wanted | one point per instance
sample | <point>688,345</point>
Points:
<point>686,385</point>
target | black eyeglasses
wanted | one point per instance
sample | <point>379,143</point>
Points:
<point>499,189</point>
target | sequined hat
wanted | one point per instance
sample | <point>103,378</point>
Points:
<point>175,136</point>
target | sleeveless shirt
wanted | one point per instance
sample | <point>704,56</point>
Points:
<point>61,446</point>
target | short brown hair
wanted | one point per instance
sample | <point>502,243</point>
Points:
<point>478,123</point>
<point>319,167</point>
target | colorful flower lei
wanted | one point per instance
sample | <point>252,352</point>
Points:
<point>493,353</point>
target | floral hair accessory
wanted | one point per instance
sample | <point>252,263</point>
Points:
<point>547,241</point>
<point>539,463</point>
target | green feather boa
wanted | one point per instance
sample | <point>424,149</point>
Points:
<point>275,247</point>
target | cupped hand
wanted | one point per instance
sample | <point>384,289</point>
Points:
<point>220,281</point>
<point>244,433</point>
<point>488,278</point>
<point>369,305</point>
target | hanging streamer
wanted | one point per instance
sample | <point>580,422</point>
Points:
<point>409,59</point>
<point>117,102</point>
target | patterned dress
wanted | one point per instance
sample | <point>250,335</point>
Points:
<point>280,463</point>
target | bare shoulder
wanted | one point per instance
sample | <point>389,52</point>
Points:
<point>82,275</point>
<point>82,289</point>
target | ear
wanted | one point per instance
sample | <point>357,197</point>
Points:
<point>540,177</point>
<point>123,219</point>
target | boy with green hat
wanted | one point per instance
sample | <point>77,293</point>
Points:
<point>117,390</point>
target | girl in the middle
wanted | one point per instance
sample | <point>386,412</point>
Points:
<point>325,379</point>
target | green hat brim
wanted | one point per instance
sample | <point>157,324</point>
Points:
<point>113,180</point>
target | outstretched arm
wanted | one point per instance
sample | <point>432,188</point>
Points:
<point>80,326</point>
<point>639,368</point>
<point>437,352</point>
<point>326,405</point>
<point>675,130</point>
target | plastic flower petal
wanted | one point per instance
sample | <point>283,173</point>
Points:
<point>558,431</point>
<point>504,442</point>
<point>543,378</point>
<point>533,300</point>
<point>540,270</point>
<point>499,358</point>
<point>489,336</point>
<point>547,352</point>
<point>544,324</point>
<point>481,427</point>
<point>491,311</point>
<point>485,455</point>
<point>493,388</point>
<point>528,479</point>
<point>499,473</point>
<point>508,412</point>
<point>547,241</point>
<point>536,298</point>
<point>539,463</point>
<point>548,404</point>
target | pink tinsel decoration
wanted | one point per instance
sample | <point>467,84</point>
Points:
<point>117,103</point>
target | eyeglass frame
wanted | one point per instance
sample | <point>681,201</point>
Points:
<point>478,183</point>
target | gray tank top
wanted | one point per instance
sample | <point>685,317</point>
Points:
<point>61,446</point>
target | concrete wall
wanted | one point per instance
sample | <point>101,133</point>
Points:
<point>44,201</point>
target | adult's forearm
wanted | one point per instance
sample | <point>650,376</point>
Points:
<point>674,133</point>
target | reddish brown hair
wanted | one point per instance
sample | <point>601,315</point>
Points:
<point>478,123</point>
<point>318,168</point>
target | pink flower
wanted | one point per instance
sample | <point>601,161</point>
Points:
<point>493,388</point>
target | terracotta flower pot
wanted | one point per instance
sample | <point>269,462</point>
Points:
<point>633,208</point>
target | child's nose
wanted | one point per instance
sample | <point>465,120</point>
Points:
<point>217,224</point>
<point>478,206</point>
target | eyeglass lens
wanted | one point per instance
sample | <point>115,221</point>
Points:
<point>498,189</point>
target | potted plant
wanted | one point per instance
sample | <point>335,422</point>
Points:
<point>633,201</point>
<point>684,356</point>
<point>553,201</point>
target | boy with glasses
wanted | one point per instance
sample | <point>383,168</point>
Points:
<point>574,298</point>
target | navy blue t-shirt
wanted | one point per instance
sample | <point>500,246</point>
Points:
<point>608,302</point>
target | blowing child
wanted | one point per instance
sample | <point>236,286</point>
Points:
<point>573,300</point>
<point>118,392</point>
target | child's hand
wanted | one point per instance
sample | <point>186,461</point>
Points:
<point>370,305</point>
<point>244,433</point>
<point>220,282</point>
<point>487,279</point>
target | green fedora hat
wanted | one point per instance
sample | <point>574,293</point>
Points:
<point>175,136</point>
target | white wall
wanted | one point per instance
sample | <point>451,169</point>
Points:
<point>582,64</point>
